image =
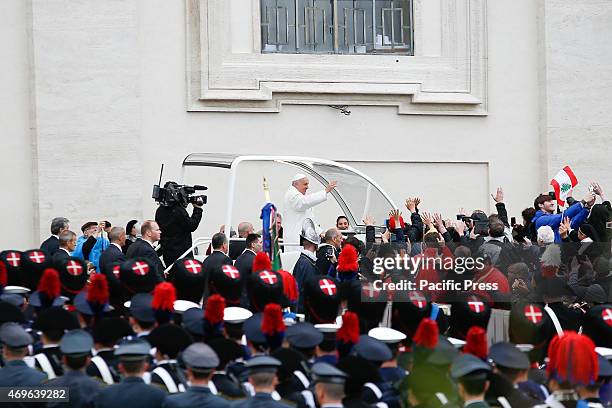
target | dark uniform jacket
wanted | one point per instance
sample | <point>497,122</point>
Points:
<point>54,357</point>
<point>176,226</point>
<point>142,248</point>
<point>260,400</point>
<point>107,357</point>
<point>82,390</point>
<point>500,386</point>
<point>304,268</point>
<point>227,387</point>
<point>195,397</point>
<point>109,256</point>
<point>17,373</point>
<point>244,264</point>
<point>132,392</point>
<point>177,380</point>
<point>50,245</point>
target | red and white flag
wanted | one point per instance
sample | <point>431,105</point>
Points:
<point>563,184</point>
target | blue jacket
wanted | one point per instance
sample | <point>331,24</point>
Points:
<point>16,373</point>
<point>132,392</point>
<point>576,213</point>
<point>195,397</point>
<point>94,256</point>
<point>83,390</point>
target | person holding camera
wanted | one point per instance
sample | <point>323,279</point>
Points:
<point>327,254</point>
<point>177,225</point>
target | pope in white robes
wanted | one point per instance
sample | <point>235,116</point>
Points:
<point>298,207</point>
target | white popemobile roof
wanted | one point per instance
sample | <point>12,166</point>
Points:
<point>356,193</point>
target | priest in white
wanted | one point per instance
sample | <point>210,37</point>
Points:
<point>298,207</point>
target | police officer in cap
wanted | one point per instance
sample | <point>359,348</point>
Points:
<point>201,362</point>
<point>15,371</point>
<point>76,348</point>
<point>511,367</point>
<point>132,391</point>
<point>377,353</point>
<point>262,376</point>
<point>329,385</point>
<point>471,374</point>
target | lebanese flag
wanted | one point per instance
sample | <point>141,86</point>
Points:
<point>563,183</point>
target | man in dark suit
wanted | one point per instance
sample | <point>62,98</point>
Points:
<point>76,347</point>
<point>67,243</point>
<point>217,258</point>
<point>201,361</point>
<point>262,377</point>
<point>143,247</point>
<point>51,244</point>
<point>244,263</point>
<point>114,251</point>
<point>132,391</point>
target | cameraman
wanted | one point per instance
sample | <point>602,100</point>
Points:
<point>176,226</point>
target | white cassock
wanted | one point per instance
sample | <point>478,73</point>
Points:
<point>298,207</point>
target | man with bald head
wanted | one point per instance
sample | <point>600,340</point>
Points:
<point>238,247</point>
<point>298,207</point>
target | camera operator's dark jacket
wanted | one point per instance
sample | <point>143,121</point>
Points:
<point>176,226</point>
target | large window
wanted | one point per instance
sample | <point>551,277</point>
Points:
<point>337,26</point>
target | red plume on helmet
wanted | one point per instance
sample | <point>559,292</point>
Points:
<point>97,293</point>
<point>348,259</point>
<point>348,334</point>
<point>476,342</point>
<point>427,334</point>
<point>49,287</point>
<point>213,316</point>
<point>3,274</point>
<point>164,296</point>
<point>261,262</point>
<point>97,289</point>
<point>572,359</point>
<point>273,325</point>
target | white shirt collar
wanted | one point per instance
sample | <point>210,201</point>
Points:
<point>117,245</point>
<point>249,249</point>
<point>67,251</point>
<point>150,243</point>
<point>309,254</point>
<point>56,236</point>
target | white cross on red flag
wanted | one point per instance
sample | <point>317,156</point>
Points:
<point>606,315</point>
<point>417,299</point>
<point>116,271</point>
<point>231,271</point>
<point>37,257</point>
<point>74,268</point>
<point>193,266</point>
<point>533,313</point>
<point>476,306</point>
<point>327,286</point>
<point>14,259</point>
<point>268,277</point>
<point>140,268</point>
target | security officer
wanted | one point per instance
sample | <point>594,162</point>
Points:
<point>132,391</point>
<point>15,371</point>
<point>471,373</point>
<point>304,337</point>
<point>262,376</point>
<point>52,322</point>
<point>511,367</point>
<point>329,385</point>
<point>168,340</point>
<point>377,353</point>
<point>76,348</point>
<point>201,361</point>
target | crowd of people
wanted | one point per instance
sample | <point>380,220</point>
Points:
<point>401,316</point>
